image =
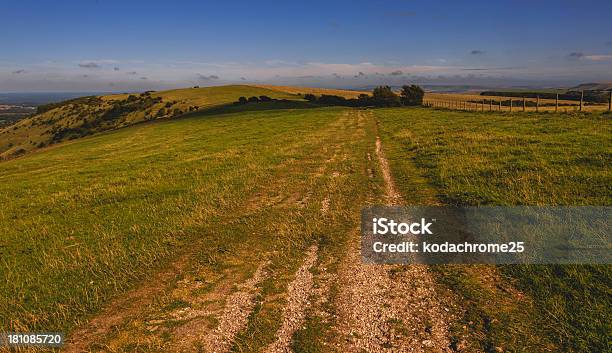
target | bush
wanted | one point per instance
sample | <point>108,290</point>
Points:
<point>412,95</point>
<point>253,99</point>
<point>327,99</point>
<point>364,100</point>
<point>383,96</point>
<point>265,99</point>
<point>310,97</point>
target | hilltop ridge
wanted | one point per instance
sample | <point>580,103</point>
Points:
<point>79,117</point>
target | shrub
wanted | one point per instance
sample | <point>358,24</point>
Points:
<point>253,99</point>
<point>242,100</point>
<point>327,99</point>
<point>383,96</point>
<point>310,97</point>
<point>265,99</point>
<point>412,95</point>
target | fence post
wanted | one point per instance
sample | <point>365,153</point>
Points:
<point>490,105</point>
<point>581,99</point>
<point>482,106</point>
<point>523,104</point>
<point>610,102</point>
<point>500,105</point>
<point>557,103</point>
<point>537,103</point>
<point>510,105</point>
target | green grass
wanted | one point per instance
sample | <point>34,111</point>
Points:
<point>466,158</point>
<point>86,116</point>
<point>84,221</point>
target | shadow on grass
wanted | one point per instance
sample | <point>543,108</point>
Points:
<point>231,108</point>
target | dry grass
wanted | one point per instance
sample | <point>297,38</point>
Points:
<point>38,131</point>
<point>472,100</point>
<point>469,158</point>
<point>317,91</point>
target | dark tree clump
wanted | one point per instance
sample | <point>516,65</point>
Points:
<point>412,95</point>
<point>242,100</point>
<point>310,97</point>
<point>383,96</point>
<point>327,99</point>
<point>253,99</point>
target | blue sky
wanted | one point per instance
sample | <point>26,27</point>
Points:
<point>124,45</point>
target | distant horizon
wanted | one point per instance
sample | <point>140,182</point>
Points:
<point>361,88</point>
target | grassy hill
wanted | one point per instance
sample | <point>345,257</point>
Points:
<point>595,86</point>
<point>316,91</point>
<point>80,117</point>
<point>184,211</point>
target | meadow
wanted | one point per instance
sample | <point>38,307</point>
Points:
<point>87,220</point>
<point>64,121</point>
<point>467,158</point>
<point>140,238</point>
<point>473,101</point>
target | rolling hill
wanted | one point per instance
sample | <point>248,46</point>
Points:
<point>84,116</point>
<point>75,118</point>
<point>594,86</point>
<point>237,228</point>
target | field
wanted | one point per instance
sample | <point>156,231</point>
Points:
<point>10,113</point>
<point>316,91</point>
<point>504,159</point>
<point>85,116</point>
<point>473,101</point>
<point>86,220</point>
<point>237,229</point>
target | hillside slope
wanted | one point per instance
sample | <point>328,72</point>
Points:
<point>316,91</point>
<point>88,115</point>
<point>596,86</point>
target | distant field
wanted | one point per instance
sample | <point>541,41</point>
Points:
<point>317,91</point>
<point>473,102</point>
<point>468,158</point>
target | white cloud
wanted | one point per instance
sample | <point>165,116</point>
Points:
<point>597,57</point>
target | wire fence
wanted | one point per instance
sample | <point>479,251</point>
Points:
<point>511,104</point>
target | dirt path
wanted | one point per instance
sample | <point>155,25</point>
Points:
<point>238,307</point>
<point>122,308</point>
<point>378,308</point>
<point>392,195</point>
<point>387,307</point>
<point>298,293</point>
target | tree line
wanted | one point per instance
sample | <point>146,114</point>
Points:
<point>382,96</point>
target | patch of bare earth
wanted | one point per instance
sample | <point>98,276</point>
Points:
<point>124,307</point>
<point>233,319</point>
<point>298,293</point>
<point>389,308</point>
